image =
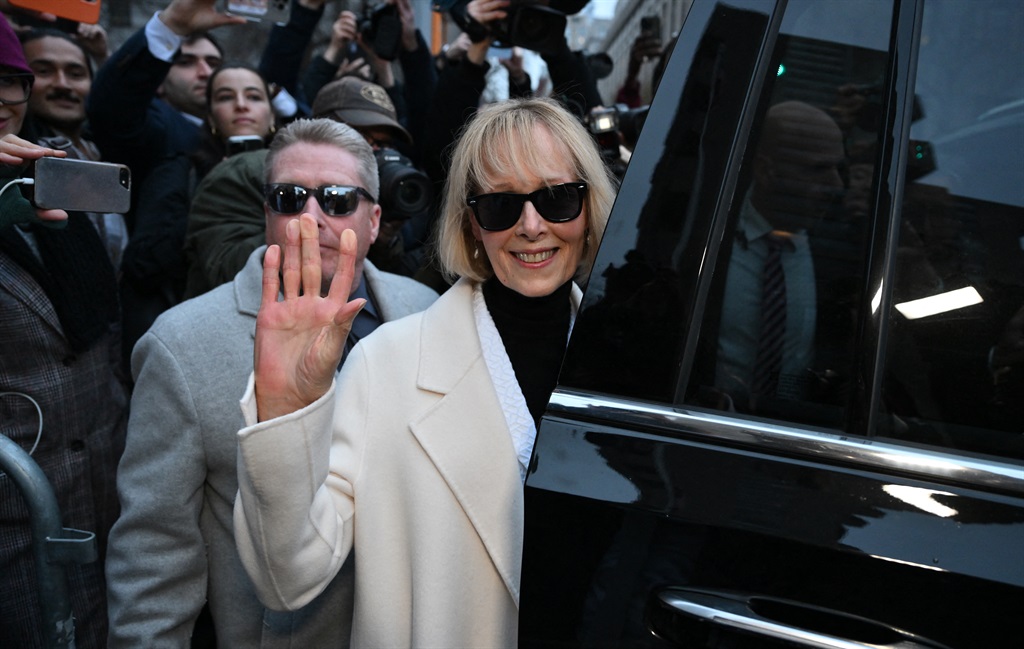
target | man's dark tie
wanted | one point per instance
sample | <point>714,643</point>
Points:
<point>773,320</point>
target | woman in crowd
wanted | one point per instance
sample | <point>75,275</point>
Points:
<point>238,103</point>
<point>427,434</point>
<point>154,265</point>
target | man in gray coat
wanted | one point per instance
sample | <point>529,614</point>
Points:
<point>173,549</point>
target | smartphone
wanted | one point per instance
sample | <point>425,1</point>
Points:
<point>275,11</point>
<point>83,11</point>
<point>81,185</point>
<point>651,25</point>
<point>242,143</point>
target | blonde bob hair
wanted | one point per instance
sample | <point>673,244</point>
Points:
<point>497,144</point>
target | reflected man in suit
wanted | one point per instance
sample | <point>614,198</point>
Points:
<point>769,306</point>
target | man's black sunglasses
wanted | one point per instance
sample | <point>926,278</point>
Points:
<point>334,200</point>
<point>500,211</point>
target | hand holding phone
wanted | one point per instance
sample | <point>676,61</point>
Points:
<point>80,186</point>
<point>651,26</point>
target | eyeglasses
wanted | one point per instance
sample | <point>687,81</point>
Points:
<point>500,211</point>
<point>334,200</point>
<point>15,88</point>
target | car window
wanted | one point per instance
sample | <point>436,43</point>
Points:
<point>762,198</point>
<point>777,336</point>
<point>953,366</point>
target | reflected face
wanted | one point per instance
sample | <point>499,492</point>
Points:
<point>184,87</point>
<point>797,176</point>
<point>11,115</point>
<point>535,257</point>
<point>239,104</point>
<point>313,165</point>
<point>857,199</point>
<point>62,81</point>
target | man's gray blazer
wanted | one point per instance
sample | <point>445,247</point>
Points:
<point>173,547</point>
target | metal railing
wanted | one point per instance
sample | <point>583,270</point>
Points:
<point>54,546</point>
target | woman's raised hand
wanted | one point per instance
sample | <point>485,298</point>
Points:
<point>301,338</point>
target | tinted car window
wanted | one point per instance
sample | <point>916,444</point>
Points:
<point>811,197</point>
<point>777,339</point>
<point>957,320</point>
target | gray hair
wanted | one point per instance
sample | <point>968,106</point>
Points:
<point>327,131</point>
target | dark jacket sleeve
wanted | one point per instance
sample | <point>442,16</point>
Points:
<point>459,87</point>
<point>286,47</point>
<point>318,74</point>
<point>154,253</point>
<point>128,123</point>
<point>420,83</point>
<point>226,222</point>
<point>119,99</point>
<point>572,81</point>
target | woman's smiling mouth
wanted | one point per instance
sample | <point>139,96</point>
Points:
<point>534,257</point>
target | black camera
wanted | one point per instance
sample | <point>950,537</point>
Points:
<point>381,31</point>
<point>405,191</point>
<point>534,27</point>
<point>528,24</point>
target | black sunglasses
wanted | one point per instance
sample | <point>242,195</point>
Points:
<point>500,211</point>
<point>334,200</point>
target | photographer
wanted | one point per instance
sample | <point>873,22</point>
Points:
<point>368,48</point>
<point>536,27</point>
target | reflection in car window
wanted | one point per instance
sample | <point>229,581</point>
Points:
<point>955,356</point>
<point>778,332</point>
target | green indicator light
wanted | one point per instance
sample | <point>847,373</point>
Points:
<point>782,70</point>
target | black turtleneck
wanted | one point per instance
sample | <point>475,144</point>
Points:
<point>534,331</point>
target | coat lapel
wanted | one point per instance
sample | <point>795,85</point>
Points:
<point>248,286</point>
<point>465,434</point>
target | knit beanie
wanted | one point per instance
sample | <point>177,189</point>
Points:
<point>11,54</point>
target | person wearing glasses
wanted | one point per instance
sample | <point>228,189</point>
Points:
<point>172,549</point>
<point>414,456</point>
<point>62,397</point>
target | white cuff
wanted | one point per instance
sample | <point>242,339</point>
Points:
<point>162,42</point>
<point>284,104</point>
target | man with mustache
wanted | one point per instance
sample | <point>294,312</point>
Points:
<point>56,113</point>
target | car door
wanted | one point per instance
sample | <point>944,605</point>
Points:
<point>839,467</point>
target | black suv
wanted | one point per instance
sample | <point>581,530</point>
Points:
<point>792,407</point>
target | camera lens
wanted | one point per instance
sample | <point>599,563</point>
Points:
<point>404,190</point>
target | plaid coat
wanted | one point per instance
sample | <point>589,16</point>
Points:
<point>84,408</point>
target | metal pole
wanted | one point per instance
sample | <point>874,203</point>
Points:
<point>53,546</point>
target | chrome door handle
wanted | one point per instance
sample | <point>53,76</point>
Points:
<point>787,621</point>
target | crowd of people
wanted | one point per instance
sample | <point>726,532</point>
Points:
<point>257,253</point>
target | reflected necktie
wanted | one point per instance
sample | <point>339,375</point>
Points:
<point>773,319</point>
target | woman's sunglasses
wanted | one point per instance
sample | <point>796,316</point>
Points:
<point>500,211</point>
<point>334,200</point>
